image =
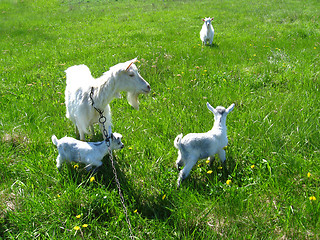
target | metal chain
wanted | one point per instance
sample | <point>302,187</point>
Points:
<point>102,120</point>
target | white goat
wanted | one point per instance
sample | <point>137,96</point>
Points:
<point>89,153</point>
<point>195,146</point>
<point>207,31</point>
<point>121,77</point>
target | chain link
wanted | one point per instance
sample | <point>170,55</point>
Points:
<point>102,120</point>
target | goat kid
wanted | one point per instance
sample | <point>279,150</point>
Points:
<point>89,153</point>
<point>121,77</point>
<point>195,146</point>
<point>207,31</point>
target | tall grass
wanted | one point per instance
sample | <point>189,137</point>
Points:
<point>265,59</point>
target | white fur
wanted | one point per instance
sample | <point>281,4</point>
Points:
<point>121,77</point>
<point>207,31</point>
<point>89,153</point>
<point>195,146</point>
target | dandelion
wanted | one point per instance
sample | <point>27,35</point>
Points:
<point>92,179</point>
<point>58,195</point>
<point>314,47</point>
<point>220,168</point>
<point>76,166</point>
<point>210,171</point>
<point>312,198</point>
<point>208,161</point>
<point>85,225</point>
<point>78,216</point>
<point>309,174</point>
<point>252,166</point>
<point>130,148</point>
<point>135,211</point>
<point>228,182</point>
<point>76,228</point>
<point>163,197</point>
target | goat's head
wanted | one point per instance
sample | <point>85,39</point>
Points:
<point>207,21</point>
<point>132,82</point>
<point>115,140</point>
<point>220,113</point>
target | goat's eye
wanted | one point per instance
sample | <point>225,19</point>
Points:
<point>131,74</point>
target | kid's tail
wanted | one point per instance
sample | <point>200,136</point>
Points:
<point>178,140</point>
<point>54,140</point>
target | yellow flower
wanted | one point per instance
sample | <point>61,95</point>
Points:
<point>135,211</point>
<point>252,166</point>
<point>314,47</point>
<point>76,228</point>
<point>130,148</point>
<point>228,182</point>
<point>163,197</point>
<point>210,171</point>
<point>85,225</point>
<point>225,147</point>
<point>208,161</point>
<point>312,198</point>
<point>91,179</point>
<point>76,166</point>
<point>309,174</point>
<point>78,216</point>
<point>220,168</point>
<point>58,195</point>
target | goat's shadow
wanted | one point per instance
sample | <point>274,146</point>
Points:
<point>213,45</point>
<point>220,173</point>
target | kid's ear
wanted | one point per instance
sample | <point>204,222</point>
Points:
<point>212,19</point>
<point>211,108</point>
<point>229,109</point>
<point>203,19</point>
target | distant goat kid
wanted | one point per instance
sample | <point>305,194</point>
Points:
<point>207,31</point>
<point>195,146</point>
<point>80,83</point>
<point>89,153</point>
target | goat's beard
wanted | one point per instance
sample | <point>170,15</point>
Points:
<point>133,99</point>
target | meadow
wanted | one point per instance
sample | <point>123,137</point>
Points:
<point>264,58</point>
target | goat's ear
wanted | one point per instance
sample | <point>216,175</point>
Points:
<point>229,109</point>
<point>212,19</point>
<point>203,19</point>
<point>211,108</point>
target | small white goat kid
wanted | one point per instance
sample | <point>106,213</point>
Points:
<point>80,83</point>
<point>195,146</point>
<point>207,31</point>
<point>89,153</point>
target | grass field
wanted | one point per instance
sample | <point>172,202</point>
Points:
<point>264,58</point>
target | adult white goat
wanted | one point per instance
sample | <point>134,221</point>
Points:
<point>207,31</point>
<point>81,84</point>
<point>195,146</point>
<point>89,153</point>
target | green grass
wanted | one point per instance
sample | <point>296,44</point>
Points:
<point>265,59</point>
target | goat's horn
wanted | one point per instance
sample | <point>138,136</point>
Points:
<point>129,66</point>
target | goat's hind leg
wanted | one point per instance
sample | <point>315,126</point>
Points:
<point>184,173</point>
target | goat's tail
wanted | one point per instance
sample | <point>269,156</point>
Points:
<point>177,141</point>
<point>54,140</point>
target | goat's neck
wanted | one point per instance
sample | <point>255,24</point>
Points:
<point>104,91</point>
<point>219,126</point>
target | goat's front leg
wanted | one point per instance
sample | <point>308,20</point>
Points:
<point>92,129</point>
